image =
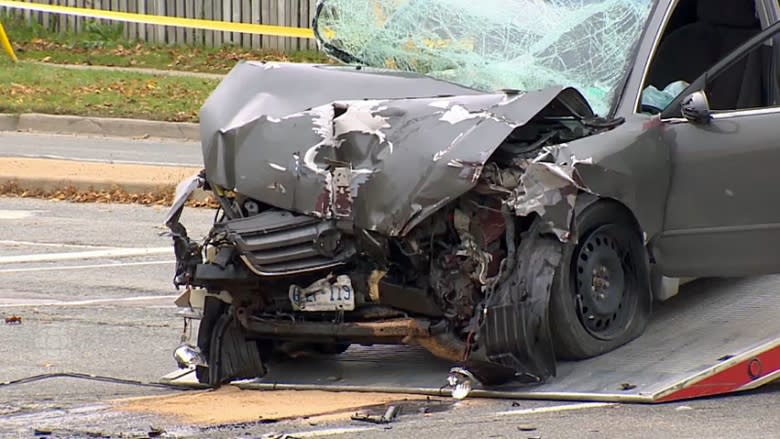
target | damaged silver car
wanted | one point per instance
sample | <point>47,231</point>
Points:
<point>505,183</point>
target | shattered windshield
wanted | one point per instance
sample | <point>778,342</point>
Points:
<point>492,44</point>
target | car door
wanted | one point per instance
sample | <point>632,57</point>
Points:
<point>722,216</point>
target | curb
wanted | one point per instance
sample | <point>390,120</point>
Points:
<point>101,126</point>
<point>9,122</point>
<point>55,184</point>
<point>147,71</point>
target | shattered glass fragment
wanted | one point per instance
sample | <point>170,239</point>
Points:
<point>660,99</point>
<point>493,44</point>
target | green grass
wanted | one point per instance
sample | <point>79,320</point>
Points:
<point>101,44</point>
<point>34,87</point>
<point>30,87</point>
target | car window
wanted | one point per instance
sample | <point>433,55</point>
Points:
<point>493,44</point>
<point>700,33</point>
<point>746,84</point>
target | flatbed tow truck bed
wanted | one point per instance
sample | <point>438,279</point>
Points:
<point>718,336</point>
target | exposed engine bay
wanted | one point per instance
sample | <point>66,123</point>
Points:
<point>355,241</point>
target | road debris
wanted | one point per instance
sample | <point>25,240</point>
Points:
<point>461,381</point>
<point>389,416</point>
<point>13,320</point>
<point>85,376</point>
<point>277,436</point>
<point>231,405</point>
<point>156,432</point>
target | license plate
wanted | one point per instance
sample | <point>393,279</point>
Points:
<point>324,295</point>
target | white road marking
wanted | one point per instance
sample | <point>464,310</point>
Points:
<point>88,302</point>
<point>84,267</point>
<point>49,244</point>
<point>69,256</point>
<point>16,214</point>
<point>556,408</point>
<point>331,431</point>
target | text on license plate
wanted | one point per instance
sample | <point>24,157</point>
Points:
<point>324,295</point>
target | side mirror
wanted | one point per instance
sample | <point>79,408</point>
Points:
<point>696,107</point>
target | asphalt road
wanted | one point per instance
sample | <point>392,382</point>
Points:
<point>100,149</point>
<point>92,284</point>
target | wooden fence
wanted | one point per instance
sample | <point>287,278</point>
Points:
<point>293,13</point>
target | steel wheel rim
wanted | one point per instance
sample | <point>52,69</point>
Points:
<point>604,280</point>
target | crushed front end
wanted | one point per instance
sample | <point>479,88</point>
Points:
<point>364,207</point>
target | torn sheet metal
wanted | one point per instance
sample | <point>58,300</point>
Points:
<point>549,187</point>
<point>379,162</point>
<point>514,337</point>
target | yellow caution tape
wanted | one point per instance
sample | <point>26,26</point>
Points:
<point>6,43</point>
<point>193,23</point>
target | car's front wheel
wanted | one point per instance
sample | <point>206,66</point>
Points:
<point>230,355</point>
<point>601,295</point>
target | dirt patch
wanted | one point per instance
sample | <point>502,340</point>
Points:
<point>94,182</point>
<point>231,405</point>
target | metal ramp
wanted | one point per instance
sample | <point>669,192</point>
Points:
<point>718,336</point>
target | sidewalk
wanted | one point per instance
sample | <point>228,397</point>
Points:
<point>86,181</point>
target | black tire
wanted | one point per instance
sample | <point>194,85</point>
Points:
<point>229,353</point>
<point>601,295</point>
<point>213,309</point>
<point>232,355</point>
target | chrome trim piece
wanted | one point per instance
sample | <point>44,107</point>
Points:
<point>444,391</point>
<point>742,113</point>
<point>726,229</point>
<point>729,114</point>
<point>254,270</point>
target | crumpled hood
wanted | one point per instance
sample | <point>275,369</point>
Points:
<point>380,149</point>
